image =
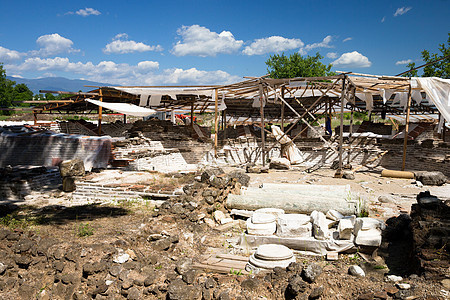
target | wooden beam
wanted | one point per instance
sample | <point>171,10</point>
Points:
<point>405,141</point>
<point>69,93</point>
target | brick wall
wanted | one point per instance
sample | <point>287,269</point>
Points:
<point>17,189</point>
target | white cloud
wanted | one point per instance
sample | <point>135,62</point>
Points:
<point>347,39</point>
<point>148,65</point>
<point>383,19</point>
<point>143,73</point>
<point>193,76</point>
<point>200,41</point>
<point>402,10</point>
<point>325,43</point>
<point>120,46</point>
<point>52,44</point>
<point>352,60</point>
<point>403,62</point>
<point>332,55</point>
<point>88,12</point>
<point>9,55</point>
<point>272,44</point>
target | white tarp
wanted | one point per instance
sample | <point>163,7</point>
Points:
<point>438,91</point>
<point>289,149</point>
<point>172,92</point>
<point>125,108</point>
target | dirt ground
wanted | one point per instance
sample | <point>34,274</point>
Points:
<point>59,252</point>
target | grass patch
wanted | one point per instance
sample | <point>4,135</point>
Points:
<point>15,221</point>
<point>84,229</point>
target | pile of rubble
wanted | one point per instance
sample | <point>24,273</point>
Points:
<point>430,224</point>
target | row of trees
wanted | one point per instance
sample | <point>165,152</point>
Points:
<point>12,94</point>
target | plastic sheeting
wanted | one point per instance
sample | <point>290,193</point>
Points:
<point>438,91</point>
<point>125,108</point>
<point>288,149</point>
<point>46,148</point>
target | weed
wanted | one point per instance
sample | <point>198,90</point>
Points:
<point>379,267</point>
<point>236,272</point>
<point>85,230</point>
<point>158,267</point>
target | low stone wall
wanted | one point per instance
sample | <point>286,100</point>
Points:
<point>17,189</point>
<point>93,192</point>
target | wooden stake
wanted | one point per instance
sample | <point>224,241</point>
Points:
<point>350,136</point>
<point>261,110</point>
<point>216,120</point>
<point>100,114</point>
<point>405,141</point>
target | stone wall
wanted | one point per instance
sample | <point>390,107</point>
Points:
<point>13,189</point>
<point>428,155</point>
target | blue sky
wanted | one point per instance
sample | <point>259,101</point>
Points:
<point>211,42</point>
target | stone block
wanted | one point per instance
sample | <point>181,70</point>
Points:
<point>319,225</point>
<point>73,167</point>
<point>345,229</point>
<point>68,185</point>
<point>280,163</point>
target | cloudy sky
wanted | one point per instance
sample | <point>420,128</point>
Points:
<point>208,42</point>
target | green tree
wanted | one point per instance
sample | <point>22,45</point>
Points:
<point>440,69</point>
<point>22,93</point>
<point>6,91</point>
<point>295,65</point>
<point>49,96</point>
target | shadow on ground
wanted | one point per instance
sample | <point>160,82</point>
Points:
<point>55,214</point>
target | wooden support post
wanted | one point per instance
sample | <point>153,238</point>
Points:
<point>35,119</point>
<point>261,111</point>
<point>350,136</point>
<point>341,130</point>
<point>405,141</point>
<point>192,114</point>
<point>216,120</point>
<point>282,109</point>
<point>100,114</point>
<point>224,124</point>
<point>124,119</point>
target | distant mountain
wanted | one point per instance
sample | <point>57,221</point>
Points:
<point>57,84</point>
